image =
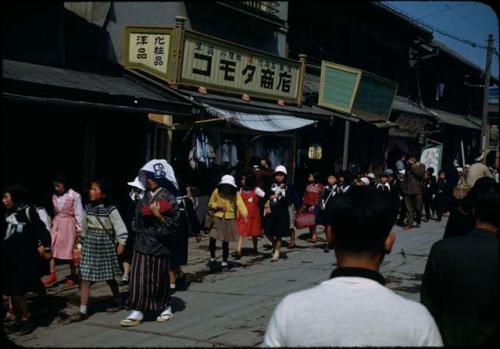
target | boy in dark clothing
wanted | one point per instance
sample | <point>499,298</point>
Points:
<point>442,195</point>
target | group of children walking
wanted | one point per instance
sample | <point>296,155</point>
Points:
<point>152,242</point>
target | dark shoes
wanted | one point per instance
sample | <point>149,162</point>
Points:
<point>116,306</point>
<point>237,255</point>
<point>78,317</point>
<point>254,252</point>
<point>26,327</point>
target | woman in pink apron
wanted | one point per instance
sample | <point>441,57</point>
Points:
<point>251,195</point>
<point>66,225</point>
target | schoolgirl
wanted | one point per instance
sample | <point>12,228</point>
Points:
<point>252,227</point>
<point>23,230</point>
<point>329,191</point>
<point>311,201</point>
<point>276,211</point>
<point>103,239</point>
<point>226,203</point>
<point>66,226</point>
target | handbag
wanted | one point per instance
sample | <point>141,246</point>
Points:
<point>209,219</point>
<point>305,220</point>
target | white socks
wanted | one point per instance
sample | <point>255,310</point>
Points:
<point>83,309</point>
<point>212,259</point>
<point>167,311</point>
<point>172,286</point>
<point>136,315</point>
<point>224,264</point>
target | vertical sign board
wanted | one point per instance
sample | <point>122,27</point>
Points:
<point>431,157</point>
<point>225,66</point>
<point>374,96</point>
<point>149,49</point>
<point>338,86</point>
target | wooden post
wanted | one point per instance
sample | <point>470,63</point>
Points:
<point>484,128</point>
<point>345,157</point>
<point>302,74</point>
<point>463,152</point>
<point>178,50</point>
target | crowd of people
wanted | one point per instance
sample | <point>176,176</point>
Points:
<point>356,212</point>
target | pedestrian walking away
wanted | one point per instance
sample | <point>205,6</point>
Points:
<point>66,226</point>
<point>21,253</point>
<point>103,239</point>
<point>359,310</point>
<point>443,195</point>
<point>155,224</point>
<point>464,270</point>
<point>252,227</point>
<point>412,192</point>
<point>227,203</point>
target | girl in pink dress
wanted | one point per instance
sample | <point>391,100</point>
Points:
<point>251,195</point>
<point>66,225</point>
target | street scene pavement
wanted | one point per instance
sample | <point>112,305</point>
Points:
<point>230,308</point>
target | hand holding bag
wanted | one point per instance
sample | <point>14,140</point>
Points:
<point>305,220</point>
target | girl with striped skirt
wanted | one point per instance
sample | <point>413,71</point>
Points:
<point>156,222</point>
<point>103,238</point>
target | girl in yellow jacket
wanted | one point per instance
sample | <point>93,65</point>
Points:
<point>226,203</point>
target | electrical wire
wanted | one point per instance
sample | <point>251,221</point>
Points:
<point>465,18</point>
<point>441,11</point>
<point>433,28</point>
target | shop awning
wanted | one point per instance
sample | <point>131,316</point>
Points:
<point>457,120</point>
<point>410,126</point>
<point>259,107</point>
<point>116,90</point>
<point>260,122</point>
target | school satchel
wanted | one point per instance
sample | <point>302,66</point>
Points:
<point>305,220</point>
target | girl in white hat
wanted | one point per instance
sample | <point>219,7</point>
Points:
<point>226,203</point>
<point>276,210</point>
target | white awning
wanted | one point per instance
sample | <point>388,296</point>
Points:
<point>260,122</point>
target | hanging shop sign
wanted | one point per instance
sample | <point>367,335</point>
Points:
<point>356,91</point>
<point>149,50</point>
<point>225,66</point>
<point>431,157</point>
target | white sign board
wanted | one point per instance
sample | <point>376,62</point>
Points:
<point>431,157</point>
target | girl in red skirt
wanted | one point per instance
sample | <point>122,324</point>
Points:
<point>251,195</point>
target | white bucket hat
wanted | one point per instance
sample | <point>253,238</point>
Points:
<point>136,183</point>
<point>371,176</point>
<point>281,169</point>
<point>459,169</point>
<point>402,172</point>
<point>365,181</point>
<point>228,179</point>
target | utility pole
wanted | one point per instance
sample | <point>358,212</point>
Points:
<point>485,124</point>
<point>345,158</point>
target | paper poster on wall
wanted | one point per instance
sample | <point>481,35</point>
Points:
<point>431,157</point>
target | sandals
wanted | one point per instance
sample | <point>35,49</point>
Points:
<point>237,255</point>
<point>130,322</point>
<point>164,317</point>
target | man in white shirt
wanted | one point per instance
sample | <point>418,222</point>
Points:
<point>354,308</point>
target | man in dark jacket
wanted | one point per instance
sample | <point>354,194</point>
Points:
<point>413,191</point>
<point>460,284</point>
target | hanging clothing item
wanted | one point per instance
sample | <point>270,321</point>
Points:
<point>202,151</point>
<point>226,153</point>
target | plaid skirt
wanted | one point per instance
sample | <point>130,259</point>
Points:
<point>149,286</point>
<point>224,230</point>
<point>99,261</point>
<point>291,214</point>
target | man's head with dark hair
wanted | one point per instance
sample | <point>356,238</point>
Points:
<point>254,161</point>
<point>362,221</point>
<point>484,201</point>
